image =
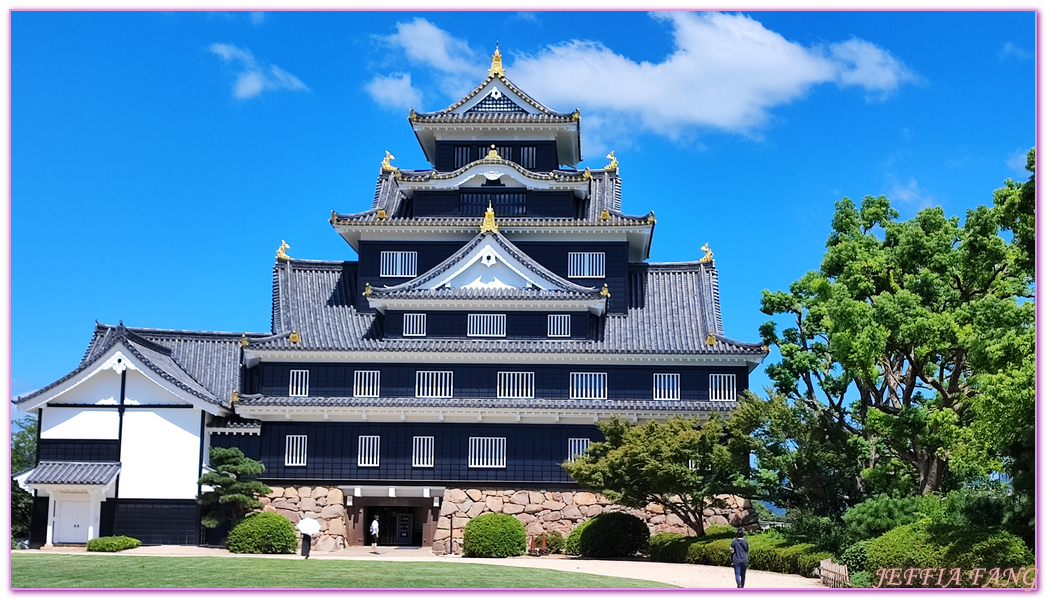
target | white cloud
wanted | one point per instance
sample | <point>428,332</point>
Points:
<point>1011,50</point>
<point>431,46</point>
<point>394,91</point>
<point>254,78</point>
<point>866,65</point>
<point>1017,160</point>
<point>910,193</point>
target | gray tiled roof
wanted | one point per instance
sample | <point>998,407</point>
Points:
<point>488,403</point>
<point>235,423</point>
<point>73,473</point>
<point>447,114</point>
<point>672,309</point>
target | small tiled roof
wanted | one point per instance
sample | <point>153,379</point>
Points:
<point>487,403</point>
<point>449,115</point>
<point>73,473</point>
<point>235,423</point>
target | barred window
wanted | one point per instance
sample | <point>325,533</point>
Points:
<point>575,447</point>
<point>586,264</point>
<point>414,324</point>
<point>486,325</point>
<point>527,157</point>
<point>666,386</point>
<point>722,388</point>
<point>515,384</point>
<point>299,383</point>
<point>487,452</point>
<point>367,384</point>
<point>295,447</point>
<point>559,326</point>
<point>434,384</point>
<point>461,156</point>
<point>368,451</point>
<point>398,263</point>
<point>588,386</point>
<point>422,451</point>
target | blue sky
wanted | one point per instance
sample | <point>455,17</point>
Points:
<point>159,158</point>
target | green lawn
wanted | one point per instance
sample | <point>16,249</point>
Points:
<point>117,571</point>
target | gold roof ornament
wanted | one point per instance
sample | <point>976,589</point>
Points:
<point>604,215</point>
<point>492,153</point>
<point>367,289</point>
<point>587,175</point>
<point>711,340</point>
<point>294,338</point>
<point>243,340</point>
<point>606,293</point>
<point>489,225</point>
<point>496,69</point>
<point>234,398</point>
<point>281,251</point>
<point>381,214</point>
<point>576,115</point>
<point>650,218</point>
<point>331,220</point>
<point>387,162</point>
<point>708,254</point>
<point>613,165</point>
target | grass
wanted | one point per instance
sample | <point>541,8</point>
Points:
<point>116,571</point>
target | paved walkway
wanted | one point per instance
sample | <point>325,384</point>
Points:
<point>683,575</point>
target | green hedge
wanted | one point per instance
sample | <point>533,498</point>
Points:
<point>573,545</point>
<point>767,551</point>
<point>614,534</point>
<point>554,541</point>
<point>263,533</point>
<point>113,543</point>
<point>670,547</point>
<point>494,535</point>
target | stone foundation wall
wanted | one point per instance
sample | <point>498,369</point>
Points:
<point>326,505</point>
<point>541,510</point>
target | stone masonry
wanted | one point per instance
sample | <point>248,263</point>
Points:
<point>326,505</point>
<point>562,511</point>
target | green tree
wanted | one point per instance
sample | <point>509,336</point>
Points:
<point>235,487</point>
<point>23,456</point>
<point>679,464</point>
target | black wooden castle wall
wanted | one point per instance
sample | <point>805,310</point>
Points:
<point>518,325</point>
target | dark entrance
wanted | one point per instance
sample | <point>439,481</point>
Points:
<point>401,521</point>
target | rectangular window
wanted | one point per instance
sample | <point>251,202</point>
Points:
<point>722,388</point>
<point>398,263</point>
<point>367,384</point>
<point>527,157</point>
<point>666,386</point>
<point>559,325</point>
<point>368,451</point>
<point>461,156</point>
<point>299,383</point>
<point>486,326</point>
<point>588,386</point>
<point>422,452</point>
<point>586,264</point>
<point>414,324</point>
<point>295,450</point>
<point>515,384</point>
<point>434,384</point>
<point>487,452</point>
<point>576,446</point>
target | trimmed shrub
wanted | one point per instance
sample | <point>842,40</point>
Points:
<point>554,541</point>
<point>670,547</point>
<point>113,543</point>
<point>861,579</point>
<point>856,555</point>
<point>614,534</point>
<point>880,514</point>
<point>573,545</point>
<point>494,535</point>
<point>263,533</point>
<point>720,529</point>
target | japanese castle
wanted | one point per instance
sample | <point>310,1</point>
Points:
<point>501,306</point>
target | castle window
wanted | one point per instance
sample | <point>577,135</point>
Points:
<point>299,383</point>
<point>722,388</point>
<point>398,263</point>
<point>368,451</point>
<point>434,384</point>
<point>487,452</point>
<point>588,386</point>
<point>414,324</point>
<point>367,384</point>
<point>575,447</point>
<point>422,452</point>
<point>559,326</point>
<point>515,384</point>
<point>586,264</point>
<point>666,386</point>
<point>527,157</point>
<point>295,450</point>
<point>461,156</point>
<point>486,326</point>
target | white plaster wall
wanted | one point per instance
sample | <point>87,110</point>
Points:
<point>102,388</point>
<point>140,390</point>
<point>160,453</point>
<point>80,423</point>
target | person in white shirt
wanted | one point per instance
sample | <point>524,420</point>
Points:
<point>374,535</point>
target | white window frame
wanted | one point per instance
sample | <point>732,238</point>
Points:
<point>486,325</point>
<point>296,450</point>
<point>723,387</point>
<point>588,386</point>
<point>369,451</point>
<point>398,263</point>
<point>487,453</point>
<point>587,264</point>
<point>422,451</point>
<point>298,384</point>
<point>515,384</point>
<point>576,446</point>
<point>434,384</point>
<point>666,386</point>
<point>559,326</point>
<point>414,324</point>
<point>367,384</point>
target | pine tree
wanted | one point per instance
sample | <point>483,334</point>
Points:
<point>235,487</point>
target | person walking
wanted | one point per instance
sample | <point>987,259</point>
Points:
<point>740,557</point>
<point>374,535</point>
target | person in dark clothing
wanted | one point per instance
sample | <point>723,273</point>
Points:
<point>740,557</point>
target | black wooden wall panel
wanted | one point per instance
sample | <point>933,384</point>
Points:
<point>518,325</point>
<point>155,522</point>
<point>78,450</point>
<point>38,524</point>
<point>546,158</point>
